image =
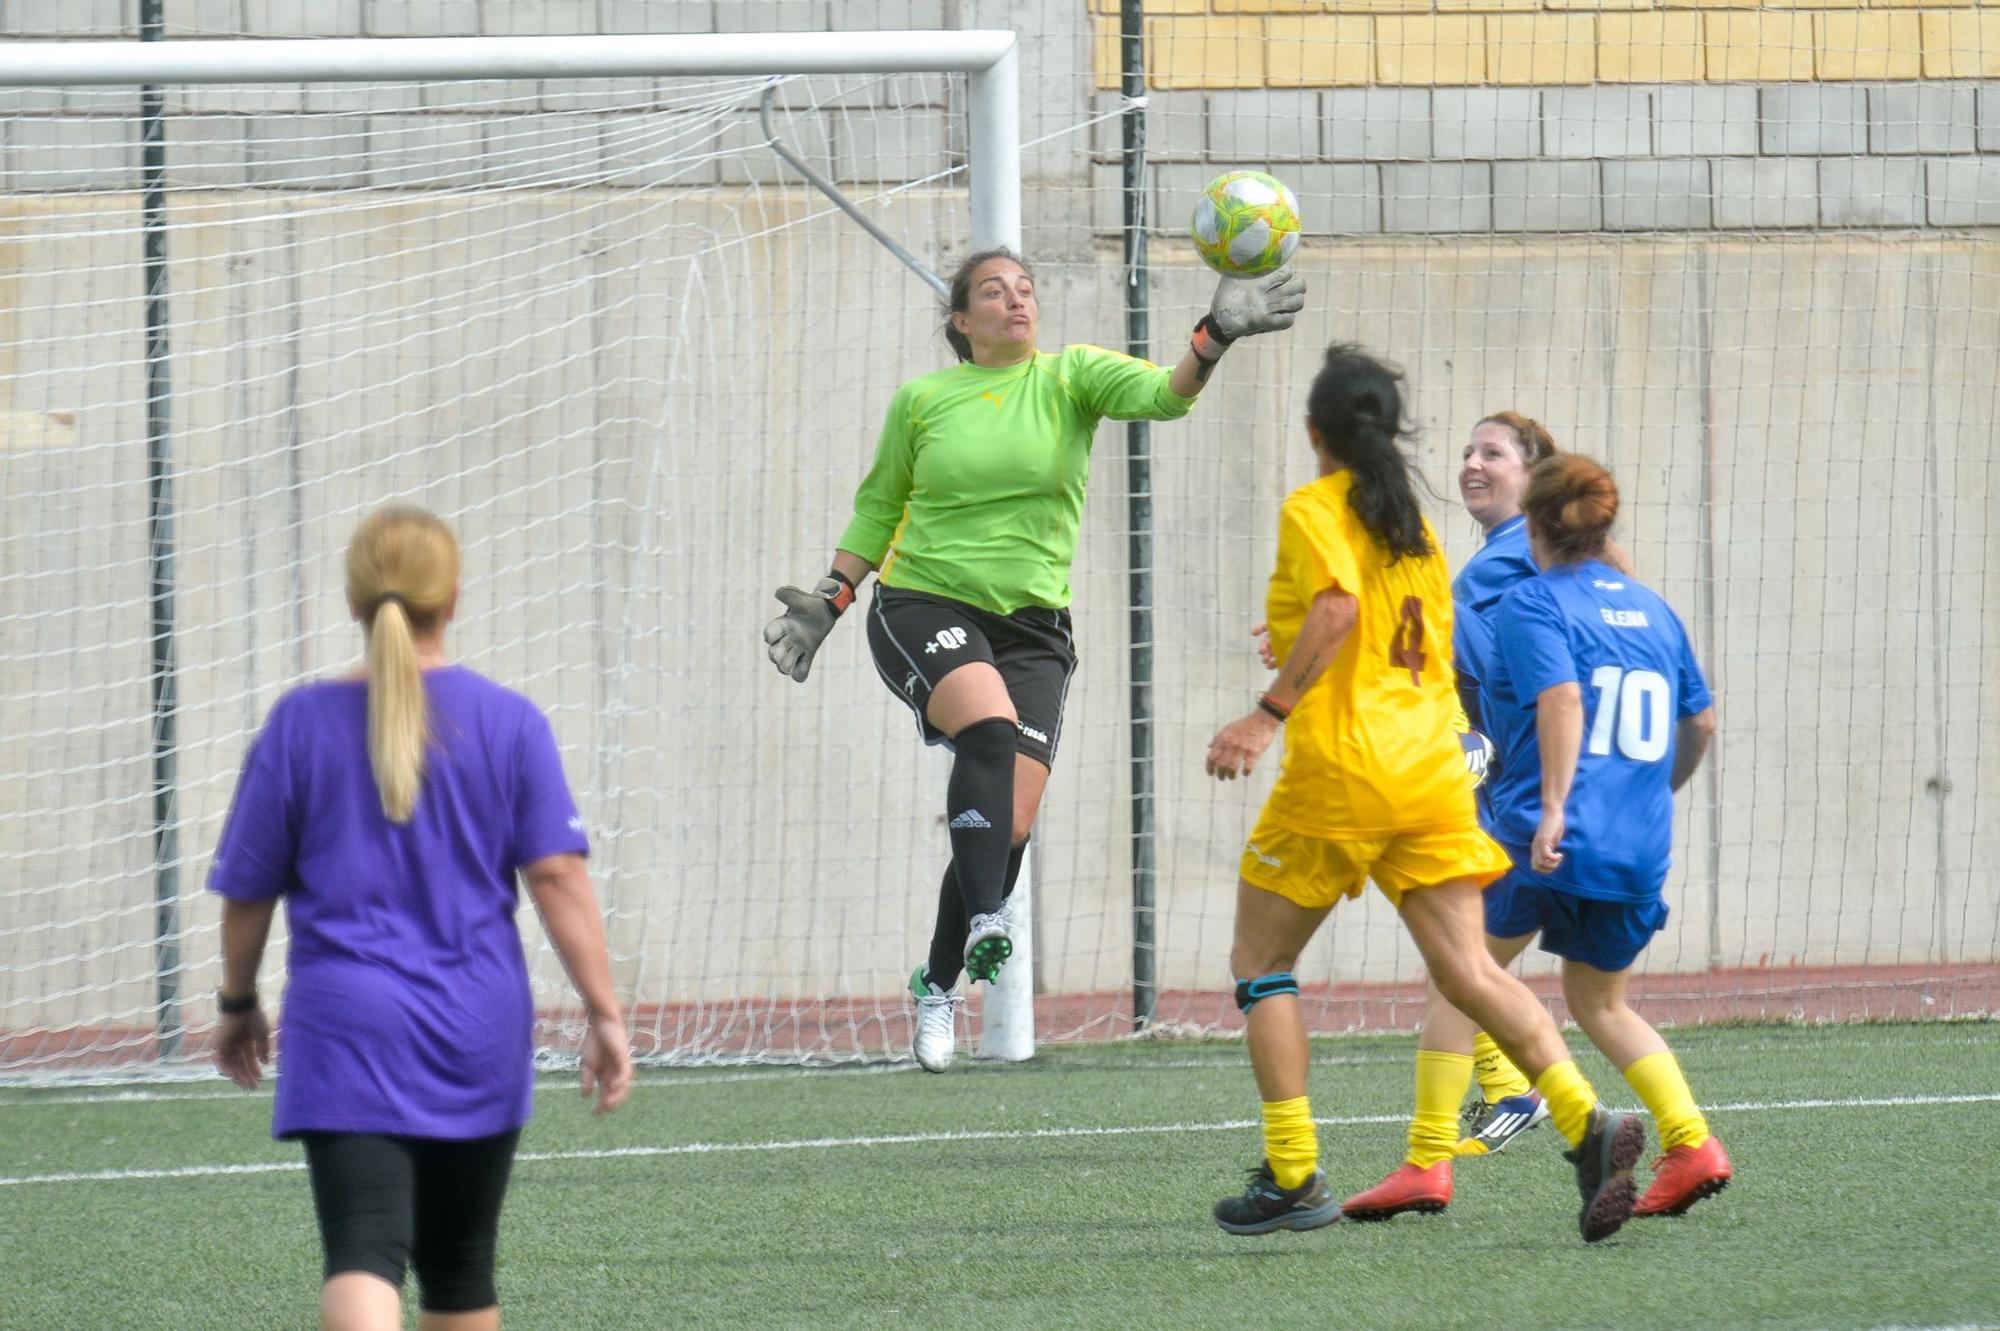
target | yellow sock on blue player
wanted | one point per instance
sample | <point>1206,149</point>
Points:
<point>1498,1077</point>
<point>1291,1140</point>
<point>1441,1082</point>
<point>1569,1098</point>
<point>1664,1090</point>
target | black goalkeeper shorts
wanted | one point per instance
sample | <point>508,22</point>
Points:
<point>917,639</point>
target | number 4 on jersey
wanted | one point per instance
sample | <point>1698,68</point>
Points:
<point>1406,649</point>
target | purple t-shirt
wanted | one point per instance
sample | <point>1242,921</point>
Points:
<point>407,1011</point>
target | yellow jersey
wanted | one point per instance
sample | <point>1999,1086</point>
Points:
<point>1371,748</point>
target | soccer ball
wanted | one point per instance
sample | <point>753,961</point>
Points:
<point>1246,224</point>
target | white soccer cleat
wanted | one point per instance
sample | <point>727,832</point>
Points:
<point>936,1036</point>
<point>988,943</point>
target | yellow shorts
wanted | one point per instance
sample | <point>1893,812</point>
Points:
<point>1315,871</point>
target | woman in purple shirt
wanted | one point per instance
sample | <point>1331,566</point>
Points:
<point>392,811</point>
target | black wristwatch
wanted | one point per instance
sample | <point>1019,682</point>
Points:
<point>235,1007</point>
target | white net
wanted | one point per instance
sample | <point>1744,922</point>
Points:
<point>608,334</point>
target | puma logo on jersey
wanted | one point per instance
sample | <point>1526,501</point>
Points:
<point>1602,585</point>
<point>994,398</point>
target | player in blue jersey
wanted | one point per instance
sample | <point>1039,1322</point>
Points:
<point>1600,713</point>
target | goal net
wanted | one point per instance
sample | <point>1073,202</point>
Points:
<point>607,332</point>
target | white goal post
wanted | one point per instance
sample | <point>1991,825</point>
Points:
<point>43,1007</point>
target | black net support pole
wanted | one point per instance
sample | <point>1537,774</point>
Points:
<point>160,546</point>
<point>1139,525</point>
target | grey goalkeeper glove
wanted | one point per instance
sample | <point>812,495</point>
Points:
<point>794,637</point>
<point>1247,306</point>
<point>1479,754</point>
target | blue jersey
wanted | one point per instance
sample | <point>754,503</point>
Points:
<point>1590,625</point>
<point>1477,592</point>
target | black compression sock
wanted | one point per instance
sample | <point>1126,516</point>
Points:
<point>979,809</point>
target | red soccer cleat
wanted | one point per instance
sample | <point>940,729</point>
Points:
<point>1683,1176</point>
<point>1408,1189</point>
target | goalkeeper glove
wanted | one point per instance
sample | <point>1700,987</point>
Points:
<point>1479,754</point>
<point>1247,306</point>
<point>794,637</point>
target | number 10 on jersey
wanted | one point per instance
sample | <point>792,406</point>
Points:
<point>1635,704</point>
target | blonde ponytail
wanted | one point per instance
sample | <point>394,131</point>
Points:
<point>398,729</point>
<point>402,572</point>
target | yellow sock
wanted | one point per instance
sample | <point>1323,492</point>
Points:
<point>1498,1077</point>
<point>1664,1089</point>
<point>1569,1097</point>
<point>1441,1083</point>
<point>1291,1140</point>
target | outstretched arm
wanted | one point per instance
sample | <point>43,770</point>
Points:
<point>1237,746</point>
<point>1243,307</point>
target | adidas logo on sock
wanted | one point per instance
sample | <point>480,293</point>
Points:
<point>970,818</point>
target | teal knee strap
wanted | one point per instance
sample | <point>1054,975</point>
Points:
<point>1250,992</point>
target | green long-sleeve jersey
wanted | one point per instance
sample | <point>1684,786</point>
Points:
<point>977,488</point>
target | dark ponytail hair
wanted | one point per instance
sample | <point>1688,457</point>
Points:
<point>1531,438</point>
<point>1356,404</point>
<point>1572,502</point>
<point>961,293</point>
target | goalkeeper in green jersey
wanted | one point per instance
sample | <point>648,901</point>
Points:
<point>970,513</point>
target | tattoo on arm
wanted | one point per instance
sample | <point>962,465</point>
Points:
<point>1297,672</point>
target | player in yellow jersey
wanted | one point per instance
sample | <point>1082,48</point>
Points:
<point>1374,785</point>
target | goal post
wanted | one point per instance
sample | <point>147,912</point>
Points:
<point>264,303</point>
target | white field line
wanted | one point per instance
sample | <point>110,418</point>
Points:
<point>927,1138</point>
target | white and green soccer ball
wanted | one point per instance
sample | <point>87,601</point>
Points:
<point>1246,224</point>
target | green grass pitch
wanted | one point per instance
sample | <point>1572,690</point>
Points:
<point>1069,1192</point>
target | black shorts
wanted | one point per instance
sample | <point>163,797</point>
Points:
<point>917,639</point>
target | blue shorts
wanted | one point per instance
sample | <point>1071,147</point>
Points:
<point>1608,935</point>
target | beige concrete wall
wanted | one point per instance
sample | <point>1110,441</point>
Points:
<point>637,448</point>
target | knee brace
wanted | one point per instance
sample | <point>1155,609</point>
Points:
<point>1250,992</point>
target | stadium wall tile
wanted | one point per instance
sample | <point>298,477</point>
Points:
<point>544,18</point>
<point>618,16</point>
<point>69,18</point>
<point>424,151</point>
<point>1597,122</point>
<point>1598,6</point>
<point>1281,126</point>
<point>1320,51</point>
<point>360,99</point>
<point>51,101</point>
<point>595,94</point>
<point>1485,123</point>
<point>868,149</point>
<point>1488,6</point>
<point>1546,196</point>
<point>55,153</point>
<point>1377,124</point>
<point>1923,118</point>
<point>1926,4</point>
<point>1649,48</point>
<point>1436,50</point>
<point>1176,125</point>
<point>1766,192</point>
<point>214,152</point>
<point>1541,49</point>
<point>1870,46</point>
<point>1155,6</point>
<point>205,18</point>
<point>1962,44</point>
<point>745,158</point>
<point>1989,118</point>
<point>1963,191</point>
<point>308,152</point>
<point>305,18</point>
<point>423,18</point>
<point>233,99</point>
<point>1871,191</point>
<point>1710,121</point>
<point>1343,197</point>
<point>499,95</point>
<point>1657,194</point>
<point>1107,206</point>
<point>1812,119</point>
<point>1767,47</point>
<point>763,15</point>
<point>1374,7</point>
<point>888,15</point>
<point>1437,197</point>
<point>1204,53</point>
